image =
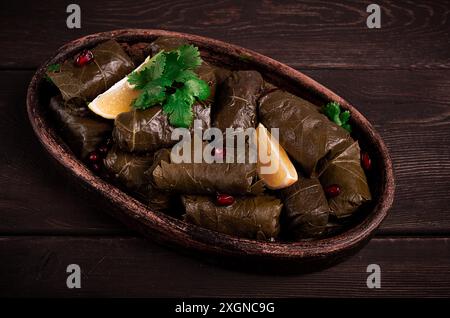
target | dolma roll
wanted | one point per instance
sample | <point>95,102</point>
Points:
<point>83,134</point>
<point>207,73</point>
<point>306,208</point>
<point>253,217</point>
<point>128,168</point>
<point>137,52</point>
<point>236,101</point>
<point>149,130</point>
<point>206,178</point>
<point>304,133</point>
<point>156,199</point>
<point>343,168</point>
<point>109,65</point>
<point>222,74</point>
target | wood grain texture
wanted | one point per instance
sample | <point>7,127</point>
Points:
<point>408,105</point>
<point>36,266</point>
<point>35,197</point>
<point>410,109</point>
<point>303,34</point>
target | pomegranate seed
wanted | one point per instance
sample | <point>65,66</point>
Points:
<point>84,58</point>
<point>365,161</point>
<point>95,167</point>
<point>224,200</point>
<point>93,157</point>
<point>103,150</point>
<point>219,153</point>
<point>332,190</point>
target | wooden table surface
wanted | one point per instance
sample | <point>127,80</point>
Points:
<point>398,76</point>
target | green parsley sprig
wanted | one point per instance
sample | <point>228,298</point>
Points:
<point>333,111</point>
<point>53,68</point>
<point>168,79</point>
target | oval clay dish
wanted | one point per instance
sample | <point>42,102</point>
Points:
<point>303,255</point>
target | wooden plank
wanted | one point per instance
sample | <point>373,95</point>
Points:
<point>303,34</point>
<point>35,197</point>
<point>410,110</point>
<point>36,266</point>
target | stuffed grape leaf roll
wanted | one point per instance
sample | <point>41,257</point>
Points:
<point>149,130</point>
<point>343,168</point>
<point>206,178</point>
<point>137,52</point>
<point>304,133</point>
<point>207,73</point>
<point>156,199</point>
<point>82,133</point>
<point>236,101</point>
<point>253,217</point>
<point>306,208</point>
<point>109,65</point>
<point>128,168</point>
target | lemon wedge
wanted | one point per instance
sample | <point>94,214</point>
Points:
<point>274,167</point>
<point>117,99</point>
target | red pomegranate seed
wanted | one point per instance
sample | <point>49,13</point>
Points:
<point>96,167</point>
<point>84,58</point>
<point>93,157</point>
<point>365,161</point>
<point>219,153</point>
<point>224,200</point>
<point>332,190</point>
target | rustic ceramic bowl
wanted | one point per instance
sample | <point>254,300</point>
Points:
<point>304,255</point>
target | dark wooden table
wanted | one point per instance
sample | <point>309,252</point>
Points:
<point>398,76</point>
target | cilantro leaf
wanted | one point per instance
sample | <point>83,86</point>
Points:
<point>185,76</point>
<point>173,67</point>
<point>54,68</point>
<point>150,96</point>
<point>169,79</point>
<point>198,88</point>
<point>347,127</point>
<point>179,108</point>
<point>189,57</point>
<point>153,69</point>
<point>333,111</point>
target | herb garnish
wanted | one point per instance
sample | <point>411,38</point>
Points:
<point>245,57</point>
<point>333,111</point>
<point>52,68</point>
<point>168,79</point>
